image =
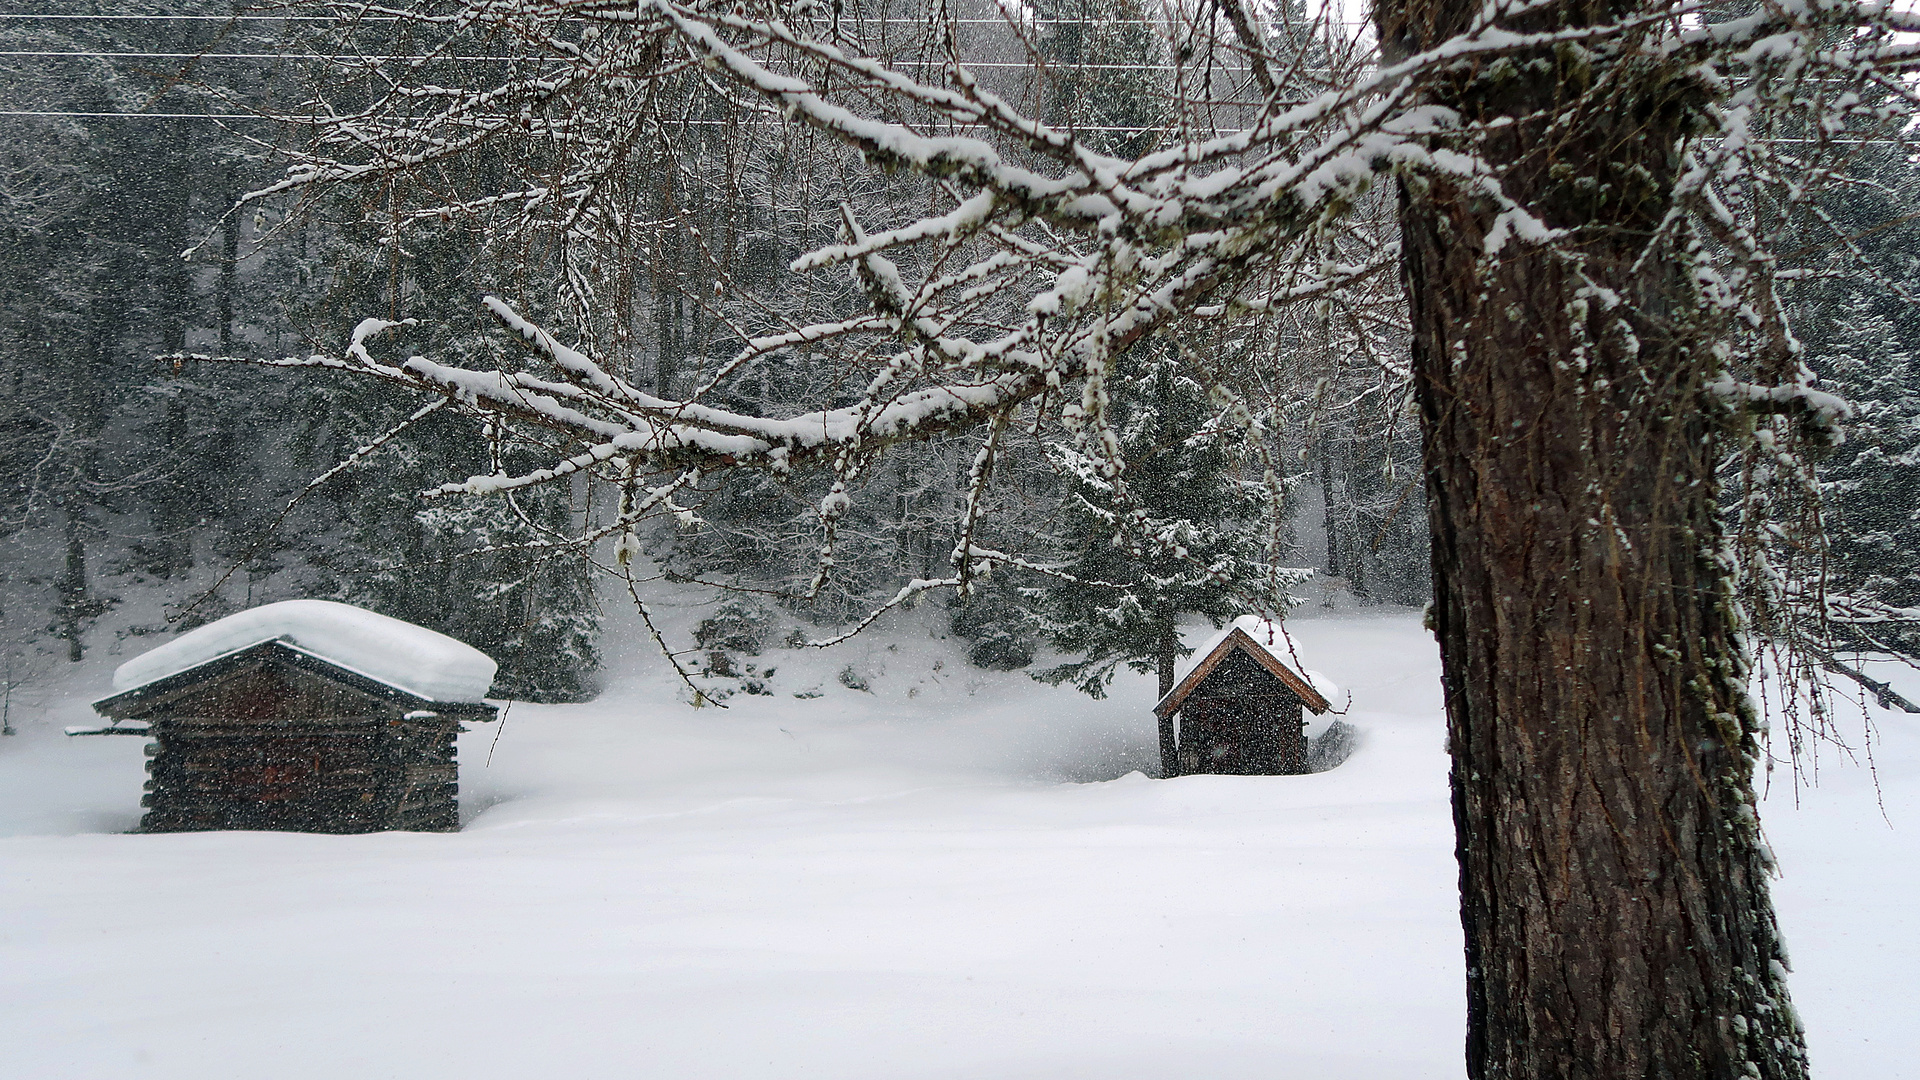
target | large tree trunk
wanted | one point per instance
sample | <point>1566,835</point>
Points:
<point>1612,877</point>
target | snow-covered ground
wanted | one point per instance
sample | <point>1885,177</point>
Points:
<point>957,874</point>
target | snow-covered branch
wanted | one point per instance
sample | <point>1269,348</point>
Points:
<point>998,257</point>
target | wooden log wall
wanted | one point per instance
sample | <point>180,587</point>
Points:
<point>349,775</point>
<point>425,778</point>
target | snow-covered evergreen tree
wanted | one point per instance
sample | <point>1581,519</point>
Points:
<point>492,573</point>
<point>1871,483</point>
<point>1103,83</point>
<point>1166,529</point>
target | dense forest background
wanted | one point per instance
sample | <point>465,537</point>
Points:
<point>180,490</point>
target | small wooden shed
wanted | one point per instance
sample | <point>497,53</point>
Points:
<point>1237,709</point>
<point>339,721</point>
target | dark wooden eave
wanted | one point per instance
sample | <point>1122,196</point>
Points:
<point>144,700</point>
<point>1239,640</point>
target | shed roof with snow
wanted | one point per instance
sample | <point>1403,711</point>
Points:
<point>1261,640</point>
<point>385,653</point>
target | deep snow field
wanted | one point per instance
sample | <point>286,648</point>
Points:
<point>955,874</point>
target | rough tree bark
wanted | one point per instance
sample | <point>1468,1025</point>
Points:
<point>1613,879</point>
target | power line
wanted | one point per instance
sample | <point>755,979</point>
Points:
<point>150,116</point>
<point>271,56</point>
<point>316,121</point>
<point>213,18</point>
<point>355,59</point>
<point>350,20</point>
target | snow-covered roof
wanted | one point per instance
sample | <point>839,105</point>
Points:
<point>412,658</point>
<point>1271,644</point>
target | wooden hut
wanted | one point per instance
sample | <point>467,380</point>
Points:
<point>1237,709</point>
<point>339,721</point>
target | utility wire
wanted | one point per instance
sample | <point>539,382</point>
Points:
<point>355,59</point>
<point>316,120</point>
<point>211,18</point>
<point>350,20</point>
<point>152,116</point>
<point>277,56</point>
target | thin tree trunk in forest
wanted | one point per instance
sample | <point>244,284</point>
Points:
<point>177,500</point>
<point>229,268</point>
<point>177,505</point>
<point>72,587</point>
<point>1327,513</point>
<point>1165,654</point>
<point>171,207</point>
<point>1613,881</point>
<point>1164,658</point>
<point>667,281</point>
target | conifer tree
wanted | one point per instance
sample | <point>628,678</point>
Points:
<point>482,571</point>
<point>1871,484</point>
<point>1100,58</point>
<point>1165,530</point>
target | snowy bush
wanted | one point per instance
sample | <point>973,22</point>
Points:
<point>997,626</point>
<point>1333,746</point>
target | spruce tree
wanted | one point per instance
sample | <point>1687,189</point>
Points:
<point>1175,532</point>
<point>1871,484</point>
<point>1101,57</point>
<point>492,572</point>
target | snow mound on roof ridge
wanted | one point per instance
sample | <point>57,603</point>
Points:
<point>422,662</point>
<point>1265,633</point>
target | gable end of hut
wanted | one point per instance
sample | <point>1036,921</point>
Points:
<point>1239,710</point>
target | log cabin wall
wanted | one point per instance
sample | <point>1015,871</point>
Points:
<point>205,774</point>
<point>425,778</point>
<point>340,776</point>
